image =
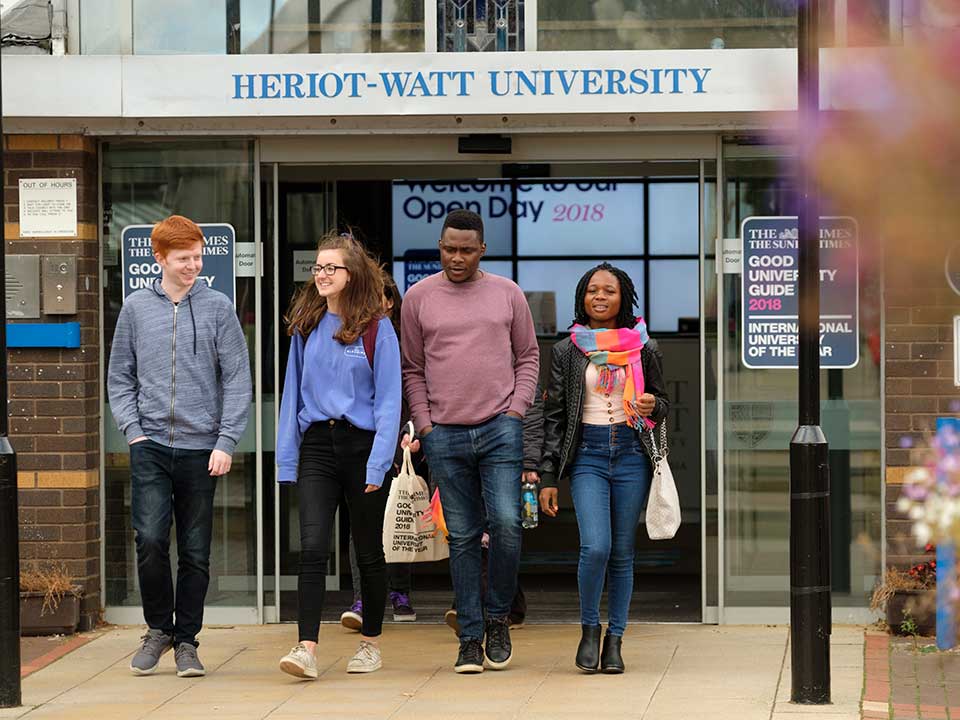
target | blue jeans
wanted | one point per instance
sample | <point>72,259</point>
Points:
<point>476,464</point>
<point>610,480</point>
<point>166,484</point>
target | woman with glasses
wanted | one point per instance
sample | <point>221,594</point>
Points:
<point>338,427</point>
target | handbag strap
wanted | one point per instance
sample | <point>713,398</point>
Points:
<point>661,452</point>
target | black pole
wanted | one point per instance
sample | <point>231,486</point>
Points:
<point>9,534</point>
<point>810,605</point>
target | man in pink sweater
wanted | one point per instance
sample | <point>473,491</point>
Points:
<point>470,366</point>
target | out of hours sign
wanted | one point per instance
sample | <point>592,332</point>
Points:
<point>771,293</point>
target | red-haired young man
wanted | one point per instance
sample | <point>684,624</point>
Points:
<point>179,388</point>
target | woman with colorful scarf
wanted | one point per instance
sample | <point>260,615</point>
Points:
<point>606,388</point>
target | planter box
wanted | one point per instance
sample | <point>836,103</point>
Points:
<point>920,605</point>
<point>34,620</point>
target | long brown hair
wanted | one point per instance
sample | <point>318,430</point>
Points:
<point>360,301</point>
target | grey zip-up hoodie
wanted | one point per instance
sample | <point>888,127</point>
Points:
<point>180,374</point>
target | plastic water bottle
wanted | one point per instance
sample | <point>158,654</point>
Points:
<point>529,517</point>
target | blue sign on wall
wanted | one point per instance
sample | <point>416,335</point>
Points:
<point>771,293</point>
<point>418,264</point>
<point>140,268</point>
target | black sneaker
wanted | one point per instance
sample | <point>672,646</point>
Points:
<point>499,650</point>
<point>470,658</point>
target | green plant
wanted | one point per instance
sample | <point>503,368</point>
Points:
<point>909,625</point>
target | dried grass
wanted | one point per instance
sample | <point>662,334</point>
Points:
<point>53,581</point>
<point>894,579</point>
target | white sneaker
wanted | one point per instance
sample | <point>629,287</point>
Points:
<point>300,663</point>
<point>366,660</point>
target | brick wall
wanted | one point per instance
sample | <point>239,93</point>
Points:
<point>54,394</point>
<point>920,307</point>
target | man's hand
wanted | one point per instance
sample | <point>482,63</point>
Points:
<point>138,439</point>
<point>219,463</point>
<point>548,501</point>
<point>531,476</point>
<point>405,442</point>
<point>645,404</point>
<point>371,488</point>
<point>514,413</point>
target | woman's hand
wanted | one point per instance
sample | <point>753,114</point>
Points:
<point>371,488</point>
<point>646,404</point>
<point>531,476</point>
<point>548,501</point>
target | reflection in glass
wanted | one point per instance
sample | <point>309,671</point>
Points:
<point>106,27</point>
<point>182,27</point>
<point>344,26</point>
<point>560,277</point>
<point>665,24</point>
<point>674,225</point>
<point>760,416</point>
<point>673,293</point>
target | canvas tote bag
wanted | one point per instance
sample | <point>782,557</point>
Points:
<point>406,538</point>
<point>663,505</point>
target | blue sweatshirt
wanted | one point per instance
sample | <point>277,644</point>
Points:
<point>329,381</point>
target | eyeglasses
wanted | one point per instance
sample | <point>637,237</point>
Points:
<point>328,269</point>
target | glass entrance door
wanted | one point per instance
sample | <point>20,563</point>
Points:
<point>759,416</point>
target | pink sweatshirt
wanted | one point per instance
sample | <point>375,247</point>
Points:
<point>469,350</point>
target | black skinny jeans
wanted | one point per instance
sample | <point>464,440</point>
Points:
<point>333,466</point>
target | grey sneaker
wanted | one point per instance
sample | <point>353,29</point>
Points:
<point>188,663</point>
<point>366,660</point>
<point>146,659</point>
<point>299,662</point>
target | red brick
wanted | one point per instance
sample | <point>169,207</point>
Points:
<point>58,159</point>
<point>911,368</point>
<point>33,461</point>
<point>39,498</point>
<point>912,333</point>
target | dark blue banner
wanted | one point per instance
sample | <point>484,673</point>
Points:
<point>771,293</point>
<point>140,268</point>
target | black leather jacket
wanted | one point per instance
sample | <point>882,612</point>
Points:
<point>564,405</point>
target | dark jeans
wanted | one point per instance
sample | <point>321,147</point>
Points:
<point>518,606</point>
<point>169,484</point>
<point>398,574</point>
<point>474,465</point>
<point>609,481</point>
<point>333,466</point>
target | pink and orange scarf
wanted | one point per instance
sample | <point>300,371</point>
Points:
<point>617,353</point>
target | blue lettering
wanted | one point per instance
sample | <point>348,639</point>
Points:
<point>564,82</point>
<point>337,85</point>
<point>699,78</point>
<point>355,80</point>
<point>638,77</point>
<point>676,79</point>
<point>656,82</point>
<point>420,83</point>
<point>291,85</point>
<point>548,82</point>
<point>615,79</point>
<point>523,79</point>
<point>592,82</point>
<point>243,90</point>
<point>413,207</point>
<point>312,84</point>
<point>462,76</point>
<point>392,83</point>
<point>494,85</point>
<point>270,86</point>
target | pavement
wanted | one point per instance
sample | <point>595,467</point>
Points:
<point>906,678</point>
<point>674,672</point>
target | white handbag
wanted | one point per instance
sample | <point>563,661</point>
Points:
<point>663,504</point>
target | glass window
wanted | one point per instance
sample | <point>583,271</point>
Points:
<point>105,27</point>
<point>419,209</point>
<point>208,181</point>
<point>673,293</point>
<point>560,277</point>
<point>294,26</point>
<point>564,218</point>
<point>674,223</point>
<point>480,25</point>
<point>664,24</point>
<point>179,27</point>
<point>503,268</point>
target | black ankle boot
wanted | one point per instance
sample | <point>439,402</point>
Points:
<point>588,653</point>
<point>611,661</point>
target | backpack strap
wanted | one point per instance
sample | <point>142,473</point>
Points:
<point>370,339</point>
